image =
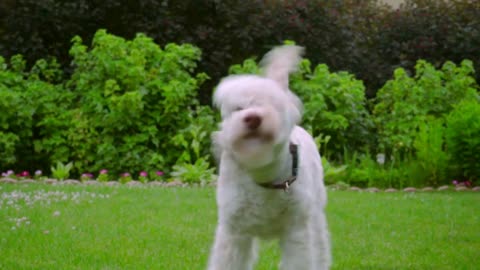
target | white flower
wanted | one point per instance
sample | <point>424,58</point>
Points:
<point>381,158</point>
<point>56,213</point>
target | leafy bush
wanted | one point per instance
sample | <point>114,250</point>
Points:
<point>193,138</point>
<point>27,99</point>
<point>128,106</point>
<point>431,158</point>
<point>332,173</point>
<point>463,140</point>
<point>405,102</point>
<point>334,105</point>
<point>198,172</point>
<point>363,170</point>
<point>131,99</point>
<point>125,178</point>
<point>61,171</point>
<point>11,125</point>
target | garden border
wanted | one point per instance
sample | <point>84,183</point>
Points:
<point>177,183</point>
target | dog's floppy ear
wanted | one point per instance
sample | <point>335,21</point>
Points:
<point>280,62</point>
<point>221,95</point>
<point>217,147</point>
<point>295,109</point>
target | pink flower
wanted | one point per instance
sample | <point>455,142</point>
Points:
<point>125,174</point>
<point>455,182</point>
<point>25,174</point>
<point>87,175</point>
<point>143,174</point>
<point>159,173</point>
<point>103,171</point>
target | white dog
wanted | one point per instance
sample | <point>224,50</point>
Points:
<point>271,177</point>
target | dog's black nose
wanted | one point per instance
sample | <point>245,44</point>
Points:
<point>252,121</point>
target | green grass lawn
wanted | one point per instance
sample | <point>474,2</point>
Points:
<point>99,227</point>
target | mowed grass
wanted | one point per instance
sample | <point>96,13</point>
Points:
<point>99,227</point>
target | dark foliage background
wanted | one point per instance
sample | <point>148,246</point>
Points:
<point>360,36</point>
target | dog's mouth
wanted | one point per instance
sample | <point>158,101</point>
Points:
<point>256,135</point>
<point>253,148</point>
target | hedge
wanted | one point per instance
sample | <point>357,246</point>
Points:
<point>365,38</point>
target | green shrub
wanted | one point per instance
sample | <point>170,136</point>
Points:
<point>198,172</point>
<point>405,102</point>
<point>28,99</point>
<point>331,173</point>
<point>128,106</point>
<point>463,140</point>
<point>431,158</point>
<point>15,116</point>
<point>61,171</point>
<point>439,154</point>
<point>125,178</point>
<point>193,138</point>
<point>51,103</point>
<point>363,170</point>
<point>132,103</point>
<point>334,106</point>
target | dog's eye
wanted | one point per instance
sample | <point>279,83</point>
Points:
<point>238,109</point>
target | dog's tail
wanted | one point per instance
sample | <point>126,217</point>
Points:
<point>280,62</point>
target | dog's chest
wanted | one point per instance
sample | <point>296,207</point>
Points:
<point>262,213</point>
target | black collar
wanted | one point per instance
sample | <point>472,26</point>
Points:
<point>285,184</point>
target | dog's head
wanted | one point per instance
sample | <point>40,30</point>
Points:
<point>258,113</point>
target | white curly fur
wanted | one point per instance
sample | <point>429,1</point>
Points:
<point>259,121</point>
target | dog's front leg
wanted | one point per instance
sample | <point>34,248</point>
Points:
<point>321,242</point>
<point>232,251</point>
<point>296,248</point>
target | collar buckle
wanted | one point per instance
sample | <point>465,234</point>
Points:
<point>287,187</point>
